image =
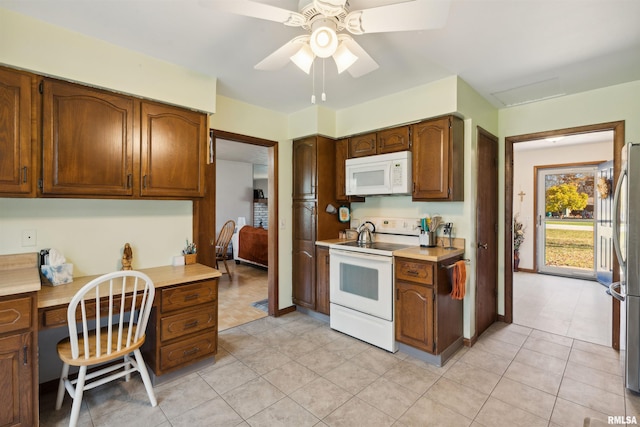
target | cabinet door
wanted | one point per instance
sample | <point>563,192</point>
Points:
<point>304,169</point>
<point>16,380</point>
<point>415,315</point>
<point>438,159</point>
<point>342,154</point>
<point>363,145</point>
<point>304,244</point>
<point>322,279</point>
<point>17,174</point>
<point>392,140</point>
<point>173,145</point>
<point>87,141</point>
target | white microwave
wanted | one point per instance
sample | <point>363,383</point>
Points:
<point>379,175</point>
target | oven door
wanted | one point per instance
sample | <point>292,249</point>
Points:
<point>362,282</point>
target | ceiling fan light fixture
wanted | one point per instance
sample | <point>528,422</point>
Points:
<point>303,58</point>
<point>344,58</point>
<point>324,41</point>
<point>329,7</point>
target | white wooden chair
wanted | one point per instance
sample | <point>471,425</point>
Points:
<point>119,303</point>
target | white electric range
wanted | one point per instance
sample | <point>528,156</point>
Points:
<point>361,281</point>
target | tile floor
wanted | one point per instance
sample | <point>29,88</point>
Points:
<point>564,306</point>
<point>247,285</point>
<point>295,371</point>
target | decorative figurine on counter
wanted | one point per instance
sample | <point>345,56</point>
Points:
<point>127,256</point>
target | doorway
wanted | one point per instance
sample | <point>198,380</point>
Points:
<point>510,189</point>
<point>205,208</point>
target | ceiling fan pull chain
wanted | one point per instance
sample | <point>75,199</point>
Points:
<point>324,95</point>
<point>313,82</point>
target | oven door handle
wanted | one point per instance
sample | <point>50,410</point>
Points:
<point>353,254</point>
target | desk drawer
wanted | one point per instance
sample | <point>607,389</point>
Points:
<point>187,323</point>
<point>186,351</point>
<point>58,316</point>
<point>415,271</point>
<point>184,296</point>
<point>15,314</point>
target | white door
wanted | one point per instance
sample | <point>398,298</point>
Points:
<point>604,227</point>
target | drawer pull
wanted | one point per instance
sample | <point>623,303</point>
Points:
<point>413,272</point>
<point>191,297</point>
<point>194,350</point>
<point>191,324</point>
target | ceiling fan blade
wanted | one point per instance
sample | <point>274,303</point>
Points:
<point>254,9</point>
<point>281,57</point>
<point>365,63</point>
<point>408,16</point>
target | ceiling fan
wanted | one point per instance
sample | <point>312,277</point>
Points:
<point>325,21</point>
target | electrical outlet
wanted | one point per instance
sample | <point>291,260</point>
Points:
<point>28,237</point>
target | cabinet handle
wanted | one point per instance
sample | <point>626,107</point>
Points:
<point>191,324</point>
<point>191,297</point>
<point>144,181</point>
<point>24,174</point>
<point>25,356</point>
<point>129,178</point>
<point>194,350</point>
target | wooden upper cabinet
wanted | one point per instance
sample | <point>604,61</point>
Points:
<point>393,140</point>
<point>363,145</point>
<point>87,141</point>
<point>304,169</point>
<point>342,154</point>
<point>173,145</point>
<point>438,160</point>
<point>17,171</point>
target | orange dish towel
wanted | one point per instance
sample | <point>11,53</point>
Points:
<point>459,280</point>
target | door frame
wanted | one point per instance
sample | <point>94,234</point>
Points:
<point>205,209</point>
<point>618,142</point>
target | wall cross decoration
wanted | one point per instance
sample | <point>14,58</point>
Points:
<point>522,194</point>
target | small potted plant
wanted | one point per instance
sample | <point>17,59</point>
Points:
<point>189,253</point>
<point>518,238</point>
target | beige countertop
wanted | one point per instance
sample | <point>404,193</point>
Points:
<point>435,254</point>
<point>51,296</point>
<point>19,274</point>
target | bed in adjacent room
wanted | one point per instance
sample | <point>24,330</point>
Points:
<point>250,245</point>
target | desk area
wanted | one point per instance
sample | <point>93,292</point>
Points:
<point>182,329</point>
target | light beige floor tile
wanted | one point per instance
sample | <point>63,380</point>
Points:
<point>252,397</point>
<point>591,397</point>
<point>541,361</point>
<point>412,377</point>
<point>321,397</point>
<point>296,346</point>
<point>600,350</point>
<point>507,335</point>
<point>632,404</point>
<point>596,378</point>
<point>351,377</point>
<point>471,376</point>
<point>497,347</point>
<point>216,412</point>
<point>376,360</point>
<point>570,414</point>
<point>524,397</point>
<point>266,361</point>
<point>321,361</point>
<point>113,396</point>
<point>556,339</point>
<point>546,347</point>
<point>283,413</point>
<point>356,412</point>
<point>463,400</point>
<point>389,397</point>
<point>346,347</point>
<point>130,415</point>
<point>229,377</point>
<point>428,413</point>
<point>177,397</point>
<point>496,413</point>
<point>290,377</point>
<point>596,361</point>
<point>487,361</point>
<point>534,377</point>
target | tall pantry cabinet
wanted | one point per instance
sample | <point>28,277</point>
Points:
<point>314,188</point>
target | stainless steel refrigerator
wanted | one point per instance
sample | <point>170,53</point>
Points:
<point>626,241</point>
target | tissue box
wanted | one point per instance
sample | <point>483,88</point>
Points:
<point>58,274</point>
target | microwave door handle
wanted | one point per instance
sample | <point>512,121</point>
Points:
<point>616,218</point>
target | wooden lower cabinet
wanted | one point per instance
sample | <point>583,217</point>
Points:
<point>183,328</point>
<point>427,318</point>
<point>322,279</point>
<point>18,361</point>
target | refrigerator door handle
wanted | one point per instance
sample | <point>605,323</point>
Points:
<point>614,293</point>
<point>616,218</point>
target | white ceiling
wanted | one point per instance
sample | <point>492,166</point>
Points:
<point>509,50</point>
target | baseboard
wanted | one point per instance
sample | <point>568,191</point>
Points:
<point>469,342</point>
<point>284,311</point>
